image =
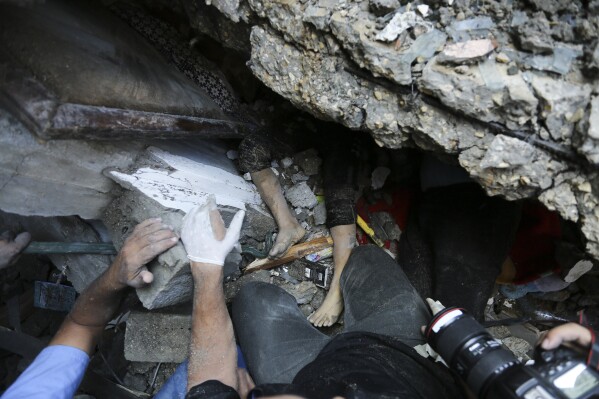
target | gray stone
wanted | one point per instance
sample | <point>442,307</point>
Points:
<point>158,336</point>
<point>563,104</point>
<point>302,292</point>
<point>470,28</point>
<point>466,52</point>
<point>385,226</point>
<point>301,196</point>
<point>172,277</point>
<point>588,134</point>
<point>320,214</point>
<point>383,7</point>
<point>511,167</point>
<point>56,178</point>
<point>257,223</point>
<point>492,96</point>
<point>298,177</point>
<point>286,162</point>
<point>309,161</point>
<point>535,35</point>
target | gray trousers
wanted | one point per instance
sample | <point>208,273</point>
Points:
<point>277,340</point>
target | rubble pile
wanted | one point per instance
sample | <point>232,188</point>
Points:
<point>507,88</point>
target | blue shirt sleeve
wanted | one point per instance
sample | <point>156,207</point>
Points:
<point>55,373</point>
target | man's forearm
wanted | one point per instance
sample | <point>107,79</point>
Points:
<point>213,354</point>
<point>93,309</point>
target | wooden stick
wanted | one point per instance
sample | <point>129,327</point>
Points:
<point>295,252</point>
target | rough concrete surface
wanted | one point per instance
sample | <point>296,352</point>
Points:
<point>158,336</point>
<point>523,81</point>
<point>56,178</point>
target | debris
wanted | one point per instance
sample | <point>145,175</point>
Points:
<point>383,7</point>
<point>301,196</point>
<point>579,269</point>
<point>466,52</point>
<point>232,154</point>
<point>158,336</point>
<point>320,255</point>
<point>302,292</point>
<point>309,161</point>
<point>470,28</point>
<point>286,162</point>
<point>54,296</point>
<point>503,58</point>
<point>399,23</point>
<point>320,214</point>
<point>182,181</point>
<point>299,177</point>
<point>560,101</point>
<point>295,252</point>
<point>423,9</point>
<point>379,176</point>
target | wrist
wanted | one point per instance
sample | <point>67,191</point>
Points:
<point>206,271</point>
<point>112,276</point>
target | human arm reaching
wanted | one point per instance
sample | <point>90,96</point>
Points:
<point>10,249</point>
<point>58,370</point>
<point>212,353</point>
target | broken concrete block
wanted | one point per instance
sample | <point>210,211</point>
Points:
<point>535,34</point>
<point>172,277</point>
<point>563,104</point>
<point>301,196</point>
<point>286,162</point>
<point>468,52</point>
<point>158,336</point>
<point>298,177</point>
<point>181,180</point>
<point>56,178</point>
<point>320,214</point>
<point>487,92</point>
<point>302,292</point>
<point>257,223</point>
<point>309,161</point>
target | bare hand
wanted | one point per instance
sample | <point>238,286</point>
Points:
<point>10,249</point>
<point>148,240</point>
<point>570,332</point>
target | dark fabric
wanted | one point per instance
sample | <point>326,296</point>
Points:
<point>363,365</point>
<point>212,389</point>
<point>277,341</point>
<point>455,243</point>
<point>257,150</point>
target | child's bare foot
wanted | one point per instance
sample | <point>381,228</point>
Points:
<point>286,237</point>
<point>328,313</point>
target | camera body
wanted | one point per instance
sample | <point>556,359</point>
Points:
<point>493,372</point>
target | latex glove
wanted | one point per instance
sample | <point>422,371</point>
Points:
<point>11,247</point>
<point>204,235</point>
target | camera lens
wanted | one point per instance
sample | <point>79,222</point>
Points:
<point>468,349</point>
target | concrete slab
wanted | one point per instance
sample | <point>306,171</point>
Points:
<point>158,336</point>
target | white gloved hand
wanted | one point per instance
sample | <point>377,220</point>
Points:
<point>204,234</point>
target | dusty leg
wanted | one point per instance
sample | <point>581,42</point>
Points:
<point>344,239</point>
<point>271,192</point>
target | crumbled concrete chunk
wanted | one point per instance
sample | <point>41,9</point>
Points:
<point>301,196</point>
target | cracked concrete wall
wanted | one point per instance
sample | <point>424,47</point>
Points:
<point>509,88</point>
